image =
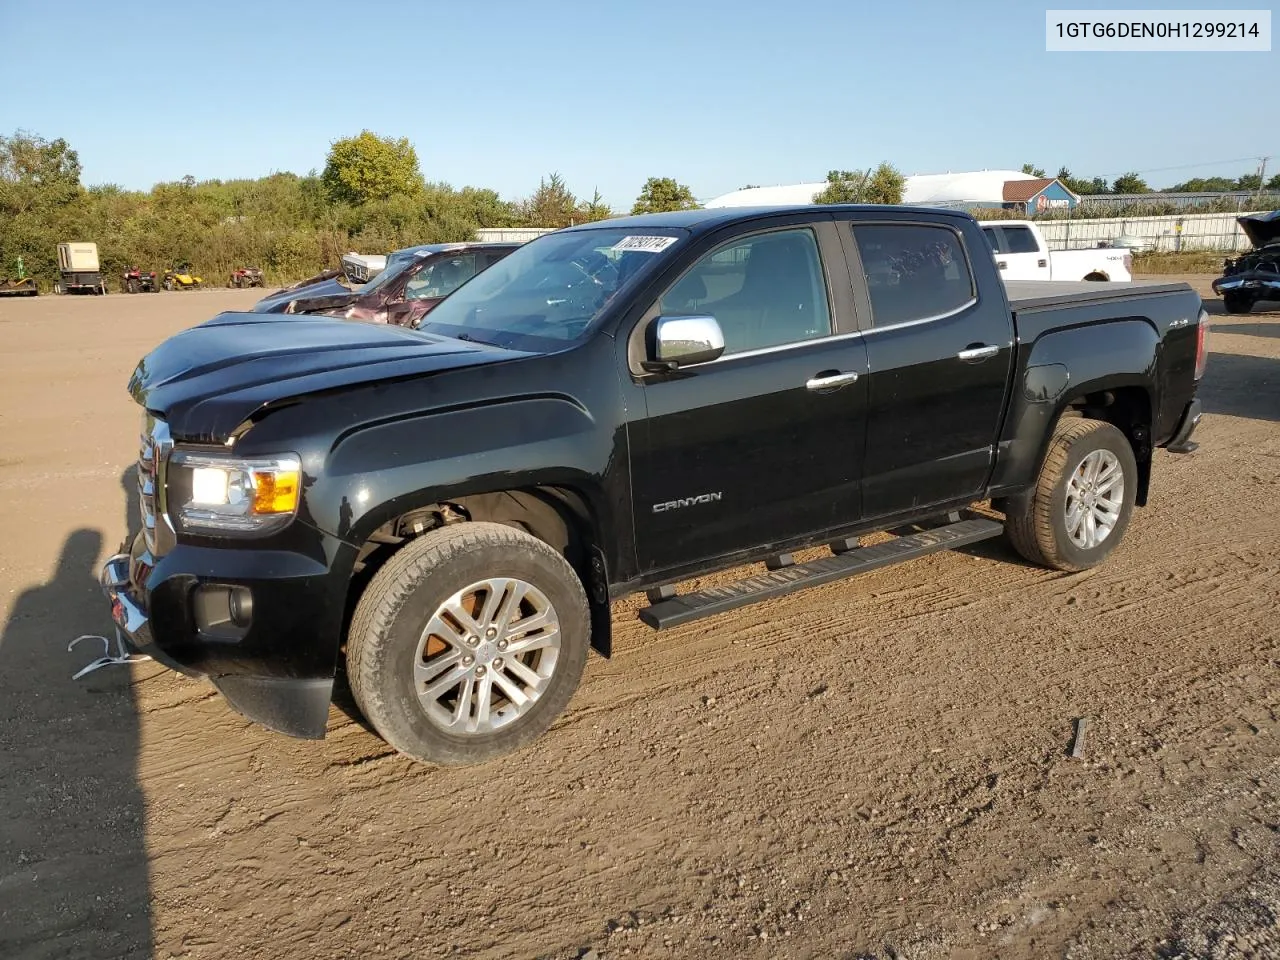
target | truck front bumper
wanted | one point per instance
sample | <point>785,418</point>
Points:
<point>279,673</point>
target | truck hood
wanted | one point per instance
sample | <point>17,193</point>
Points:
<point>1261,228</point>
<point>206,381</point>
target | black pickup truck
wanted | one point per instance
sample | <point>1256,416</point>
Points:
<point>447,511</point>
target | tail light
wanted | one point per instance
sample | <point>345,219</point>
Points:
<point>1202,344</point>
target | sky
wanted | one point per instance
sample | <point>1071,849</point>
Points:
<point>498,93</point>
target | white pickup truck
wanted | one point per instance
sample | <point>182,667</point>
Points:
<point>1022,254</point>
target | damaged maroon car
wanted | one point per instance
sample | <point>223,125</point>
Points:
<point>1255,275</point>
<point>414,280</point>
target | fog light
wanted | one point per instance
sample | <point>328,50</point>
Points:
<point>241,603</point>
<point>222,611</point>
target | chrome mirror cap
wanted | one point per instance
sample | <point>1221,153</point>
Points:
<point>684,341</point>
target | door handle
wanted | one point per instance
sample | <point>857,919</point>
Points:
<point>978,354</point>
<point>1001,264</point>
<point>1042,263</point>
<point>830,381</point>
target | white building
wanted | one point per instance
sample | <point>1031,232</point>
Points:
<point>984,187</point>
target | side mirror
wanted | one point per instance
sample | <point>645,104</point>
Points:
<point>676,342</point>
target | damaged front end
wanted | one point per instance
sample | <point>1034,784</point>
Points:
<point>1254,275</point>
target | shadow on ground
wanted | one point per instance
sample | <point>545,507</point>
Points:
<point>1264,329</point>
<point>1238,385</point>
<point>73,863</point>
<point>1215,307</point>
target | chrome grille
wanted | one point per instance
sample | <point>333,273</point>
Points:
<point>154,448</point>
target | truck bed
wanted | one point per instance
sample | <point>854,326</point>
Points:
<point>1029,295</point>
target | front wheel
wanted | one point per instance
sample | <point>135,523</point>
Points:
<point>468,643</point>
<point>1078,510</point>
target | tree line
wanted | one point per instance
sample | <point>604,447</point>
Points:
<point>371,196</point>
<point>1132,183</point>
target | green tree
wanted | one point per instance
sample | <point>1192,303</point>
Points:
<point>1033,171</point>
<point>661,194</point>
<point>1204,185</point>
<point>884,184</point>
<point>1130,183</point>
<point>1080,186</point>
<point>367,167</point>
<point>843,186</point>
<point>35,172</point>
<point>1274,182</point>
<point>552,205</point>
<point>594,209</point>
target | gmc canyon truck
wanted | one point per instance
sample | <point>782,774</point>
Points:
<point>445,511</point>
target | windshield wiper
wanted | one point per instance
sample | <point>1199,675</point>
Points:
<point>470,339</point>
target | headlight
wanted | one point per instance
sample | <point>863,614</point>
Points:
<point>213,494</point>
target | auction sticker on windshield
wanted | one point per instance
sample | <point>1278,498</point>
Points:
<point>644,244</point>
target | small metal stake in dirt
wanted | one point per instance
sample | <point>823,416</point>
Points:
<point>120,656</point>
<point>1077,745</point>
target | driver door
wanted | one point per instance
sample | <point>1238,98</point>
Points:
<point>763,444</point>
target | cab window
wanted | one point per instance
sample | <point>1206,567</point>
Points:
<point>764,290</point>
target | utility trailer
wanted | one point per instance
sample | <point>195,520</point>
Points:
<point>79,269</point>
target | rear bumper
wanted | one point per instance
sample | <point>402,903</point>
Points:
<point>1259,287</point>
<point>1181,441</point>
<point>279,673</point>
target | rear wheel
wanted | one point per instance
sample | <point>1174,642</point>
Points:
<point>468,643</point>
<point>1237,303</point>
<point>1078,510</point>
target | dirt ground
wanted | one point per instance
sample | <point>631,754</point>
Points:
<point>875,768</point>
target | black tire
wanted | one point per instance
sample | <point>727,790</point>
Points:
<point>1035,522</point>
<point>402,597</point>
<point>1236,303</point>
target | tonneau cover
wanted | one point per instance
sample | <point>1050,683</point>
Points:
<point>1034,294</point>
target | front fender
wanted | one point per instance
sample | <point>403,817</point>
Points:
<point>1060,367</point>
<point>378,472</point>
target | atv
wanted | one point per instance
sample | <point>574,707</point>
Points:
<point>181,277</point>
<point>246,277</point>
<point>137,281</point>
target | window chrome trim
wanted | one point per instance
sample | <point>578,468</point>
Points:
<point>967,305</point>
<point>837,336</point>
<point>777,348</point>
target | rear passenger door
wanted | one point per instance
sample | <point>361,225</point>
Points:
<point>938,357</point>
<point>1018,255</point>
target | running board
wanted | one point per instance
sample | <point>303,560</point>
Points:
<point>676,610</point>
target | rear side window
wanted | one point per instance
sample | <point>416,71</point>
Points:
<point>993,237</point>
<point>1020,240</point>
<point>913,271</point>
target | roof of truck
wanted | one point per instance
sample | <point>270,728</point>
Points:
<point>705,219</point>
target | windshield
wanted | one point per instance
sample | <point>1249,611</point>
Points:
<point>396,263</point>
<point>547,293</point>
